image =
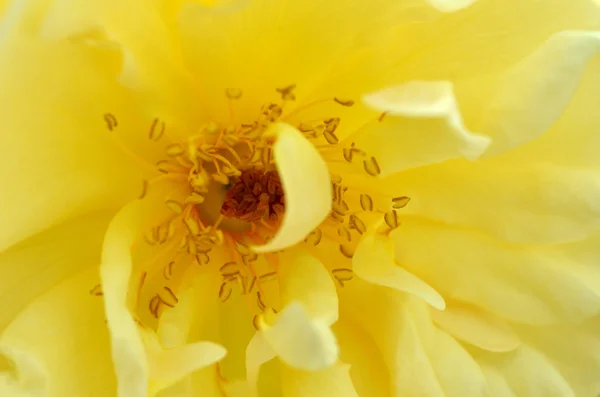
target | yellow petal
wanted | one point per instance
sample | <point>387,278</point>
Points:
<point>300,341</point>
<point>422,126</point>
<point>497,382</point>
<point>477,327</point>
<point>368,370</point>
<point>259,352</point>
<point>522,203</point>
<point>303,278</point>
<point>574,350</point>
<point>391,319</point>
<point>525,284</point>
<point>128,349</point>
<point>60,343</point>
<point>35,265</point>
<point>152,63</point>
<point>530,373</point>
<point>58,157</point>
<point>451,5</point>
<point>306,184</point>
<point>129,356</point>
<point>219,46</point>
<point>374,262</point>
<point>171,365</point>
<point>534,94</point>
<point>330,382</point>
<point>456,370</point>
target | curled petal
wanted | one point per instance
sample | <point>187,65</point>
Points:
<point>420,125</point>
<point>374,261</point>
<point>300,341</point>
<point>537,90</point>
<point>304,279</point>
<point>306,184</point>
<point>478,328</point>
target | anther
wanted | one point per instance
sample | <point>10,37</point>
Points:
<point>157,130</point>
<point>174,206</point>
<point>372,167</point>
<point>111,121</point>
<point>225,292</point>
<point>346,250</point>
<point>287,92</point>
<point>357,224</point>
<point>344,102</point>
<point>391,219</point>
<point>267,277</point>
<point>366,202</point>
<point>233,93</point>
<point>97,290</point>
<point>144,189</point>
<point>400,202</point>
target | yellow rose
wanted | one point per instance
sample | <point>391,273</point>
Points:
<point>300,198</point>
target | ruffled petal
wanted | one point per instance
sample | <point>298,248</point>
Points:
<point>37,264</point>
<point>522,203</point>
<point>525,284</point>
<point>334,381</point>
<point>368,370</point>
<point>374,262</point>
<point>534,94</point>
<point>400,327</point>
<point>573,349</point>
<point>306,184</point>
<point>477,327</point>
<point>422,125</point>
<point>529,373</point>
<point>58,157</point>
<point>301,341</point>
<point>304,279</point>
<point>456,370</point>
<point>309,43</point>
<point>60,344</point>
<point>136,353</point>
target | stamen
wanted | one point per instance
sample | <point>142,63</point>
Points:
<point>287,92</point>
<point>357,224</point>
<point>233,93</point>
<point>157,130</point>
<point>169,298</point>
<point>174,150</point>
<point>225,292</point>
<point>111,121</point>
<point>346,250</point>
<point>342,275</point>
<point>314,238</point>
<point>391,219</point>
<point>174,206</point>
<point>267,277</point>
<point>259,301</point>
<point>366,202</point>
<point>97,290</point>
<point>168,271</point>
<point>372,167</point>
<point>400,202</point>
<point>344,102</point>
<point>144,189</point>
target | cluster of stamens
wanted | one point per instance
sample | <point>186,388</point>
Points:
<point>239,160</point>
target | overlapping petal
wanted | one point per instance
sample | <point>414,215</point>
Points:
<point>306,184</point>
